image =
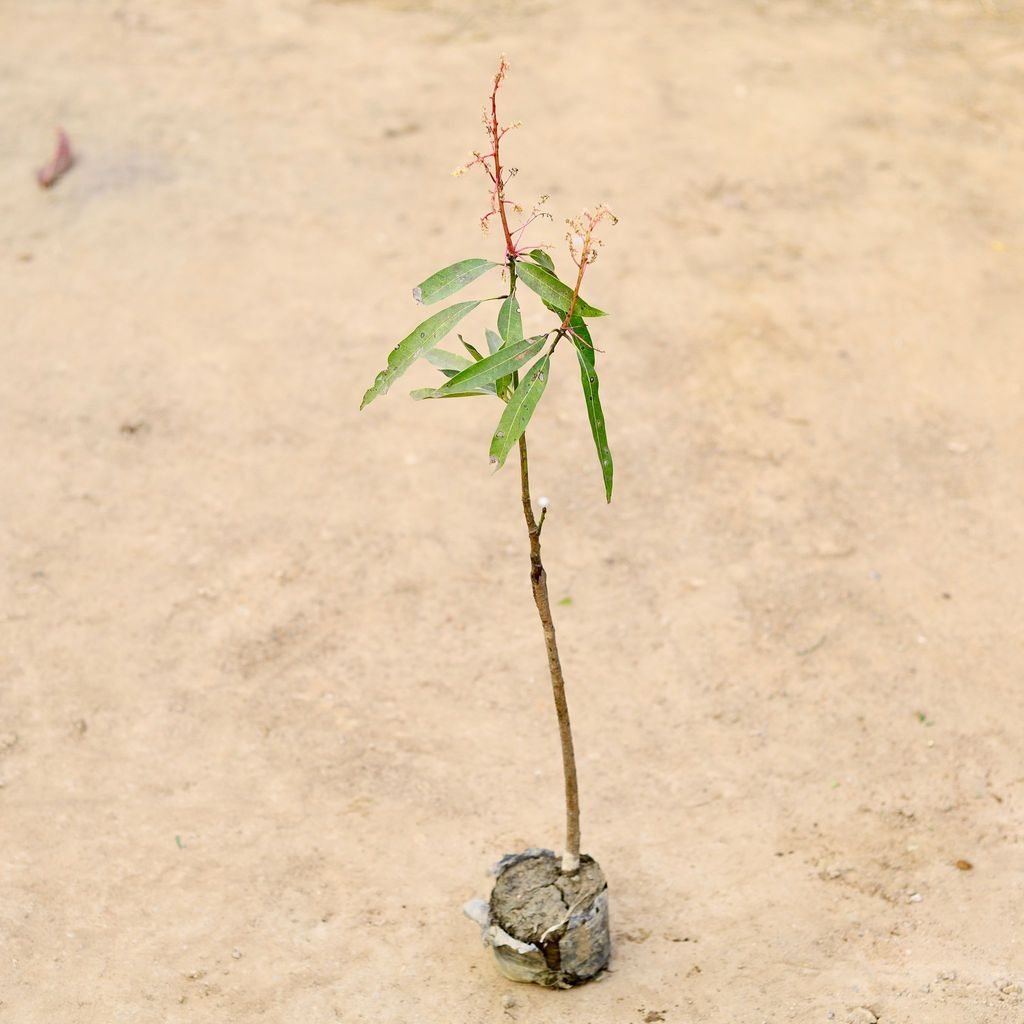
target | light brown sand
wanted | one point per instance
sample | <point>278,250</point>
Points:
<point>265,661</point>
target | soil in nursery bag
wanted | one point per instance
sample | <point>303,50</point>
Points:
<point>563,917</point>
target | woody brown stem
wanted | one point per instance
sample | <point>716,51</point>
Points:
<point>538,579</point>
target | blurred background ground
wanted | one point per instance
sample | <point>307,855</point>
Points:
<point>272,693</point>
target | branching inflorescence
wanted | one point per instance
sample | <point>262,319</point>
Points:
<point>500,176</point>
<point>583,246</point>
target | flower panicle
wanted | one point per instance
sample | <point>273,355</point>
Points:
<point>583,246</point>
<point>490,161</point>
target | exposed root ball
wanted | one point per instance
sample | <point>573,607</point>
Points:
<point>545,927</point>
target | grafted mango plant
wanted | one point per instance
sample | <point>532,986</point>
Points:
<point>547,918</point>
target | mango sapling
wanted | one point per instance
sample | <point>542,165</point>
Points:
<point>547,919</point>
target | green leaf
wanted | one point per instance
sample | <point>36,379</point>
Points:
<point>541,257</point>
<point>510,321</point>
<point>591,388</point>
<point>510,327</point>
<point>419,394</point>
<point>505,361</point>
<point>448,281</point>
<point>409,349</point>
<point>471,350</point>
<point>550,289</point>
<point>494,343</point>
<point>519,410</point>
<point>445,360</point>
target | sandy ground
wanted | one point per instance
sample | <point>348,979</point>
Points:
<point>273,693</point>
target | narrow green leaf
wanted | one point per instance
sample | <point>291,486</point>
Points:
<point>487,371</point>
<point>409,349</point>
<point>550,289</point>
<point>475,353</point>
<point>419,394</point>
<point>448,281</point>
<point>445,360</point>
<point>510,321</point>
<point>541,257</point>
<point>519,410</point>
<point>591,394</point>
<point>494,343</point>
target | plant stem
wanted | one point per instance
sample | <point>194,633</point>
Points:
<point>499,185</point>
<point>539,580</point>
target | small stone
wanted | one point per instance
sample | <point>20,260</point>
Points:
<point>508,1001</point>
<point>915,898</point>
<point>946,976</point>
<point>236,953</point>
<point>828,547</point>
<point>861,1015</point>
